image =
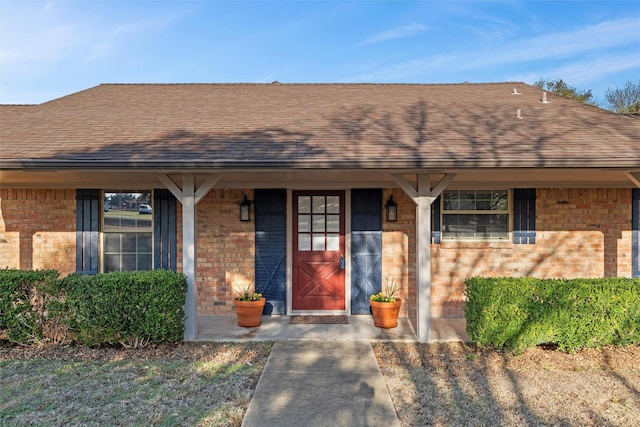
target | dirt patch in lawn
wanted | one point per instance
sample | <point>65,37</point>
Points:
<point>459,384</point>
<point>199,384</point>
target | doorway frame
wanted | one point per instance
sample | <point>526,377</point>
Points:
<point>347,255</point>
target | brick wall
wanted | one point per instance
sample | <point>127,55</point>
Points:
<point>225,253</point>
<point>399,250</point>
<point>37,229</point>
<point>579,233</point>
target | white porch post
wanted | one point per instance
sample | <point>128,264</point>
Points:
<point>423,197</point>
<point>423,257</point>
<point>189,198</point>
<point>189,254</point>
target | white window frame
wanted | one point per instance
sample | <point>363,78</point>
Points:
<point>103,233</point>
<point>508,212</point>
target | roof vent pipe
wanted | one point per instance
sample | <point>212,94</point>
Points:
<point>519,113</point>
<point>544,98</point>
<point>515,92</point>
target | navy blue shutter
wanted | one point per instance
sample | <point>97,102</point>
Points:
<point>87,220</point>
<point>635,227</point>
<point>524,215</point>
<point>366,247</point>
<point>436,232</point>
<point>271,248</point>
<point>164,230</point>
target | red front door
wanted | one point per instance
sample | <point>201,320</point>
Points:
<point>318,250</point>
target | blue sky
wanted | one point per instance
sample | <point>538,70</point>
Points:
<point>49,49</point>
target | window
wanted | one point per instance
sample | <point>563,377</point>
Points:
<point>475,214</point>
<point>318,223</point>
<point>127,230</point>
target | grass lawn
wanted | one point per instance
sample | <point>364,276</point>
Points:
<point>456,384</point>
<point>186,385</point>
<point>210,384</point>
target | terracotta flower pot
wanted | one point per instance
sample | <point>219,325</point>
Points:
<point>385,314</point>
<point>249,312</point>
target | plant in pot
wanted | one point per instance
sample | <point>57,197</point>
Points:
<point>385,305</point>
<point>249,305</point>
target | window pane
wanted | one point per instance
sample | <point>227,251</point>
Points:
<point>318,223</point>
<point>127,210</point>
<point>129,262</point>
<point>450,201</point>
<point>304,223</point>
<point>111,263</point>
<point>144,223</point>
<point>129,242</point>
<point>333,242</point>
<point>319,204</point>
<point>145,262</point>
<point>475,225</point>
<point>467,200</point>
<point>304,204</point>
<point>304,242</point>
<point>333,223</point>
<point>318,242</point>
<point>500,201</point>
<point>111,242</point>
<point>483,205</point>
<point>333,204</point>
<point>145,243</point>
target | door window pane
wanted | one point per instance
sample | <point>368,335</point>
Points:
<point>304,204</point>
<point>318,242</point>
<point>333,204</point>
<point>333,242</point>
<point>304,223</point>
<point>304,242</point>
<point>333,223</point>
<point>318,223</point>
<point>319,204</point>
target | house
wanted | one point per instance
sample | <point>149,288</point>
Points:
<point>487,179</point>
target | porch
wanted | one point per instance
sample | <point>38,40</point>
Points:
<point>360,328</point>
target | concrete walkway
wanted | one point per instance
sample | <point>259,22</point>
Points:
<point>360,328</point>
<point>321,383</point>
<point>322,375</point>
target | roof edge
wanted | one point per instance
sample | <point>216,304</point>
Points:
<point>438,164</point>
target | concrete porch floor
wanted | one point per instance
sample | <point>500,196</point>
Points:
<point>360,328</point>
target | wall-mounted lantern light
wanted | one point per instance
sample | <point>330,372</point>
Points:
<point>245,209</point>
<point>391,210</point>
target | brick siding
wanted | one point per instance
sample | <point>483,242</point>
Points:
<point>37,229</point>
<point>579,233</point>
<point>226,254</point>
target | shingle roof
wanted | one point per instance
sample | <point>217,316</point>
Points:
<point>316,125</point>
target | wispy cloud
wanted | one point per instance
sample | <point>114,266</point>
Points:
<point>396,33</point>
<point>584,71</point>
<point>600,40</point>
<point>47,42</point>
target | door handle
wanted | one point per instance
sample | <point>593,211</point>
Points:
<point>341,262</point>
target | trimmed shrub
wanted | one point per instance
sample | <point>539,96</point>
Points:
<point>24,296</point>
<point>518,313</point>
<point>131,308</point>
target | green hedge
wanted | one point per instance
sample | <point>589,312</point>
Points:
<point>23,299</point>
<point>132,308</point>
<point>518,313</point>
